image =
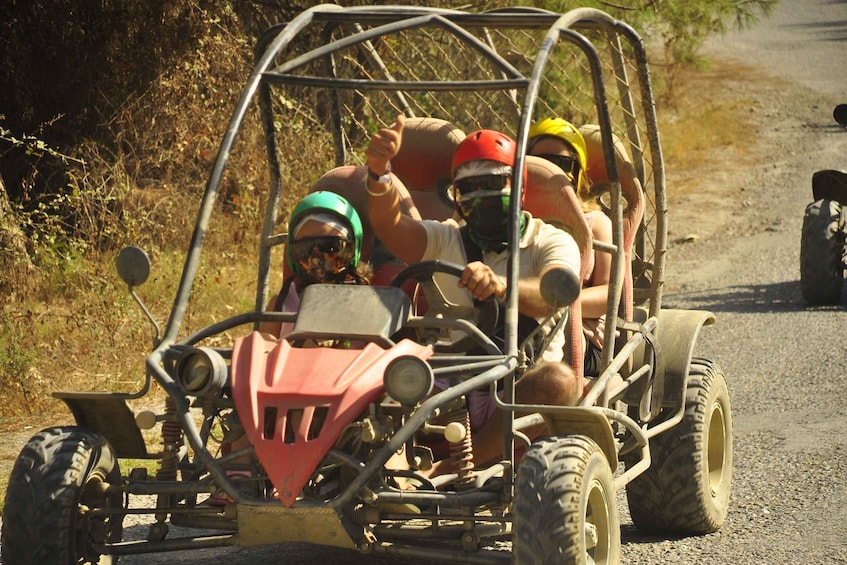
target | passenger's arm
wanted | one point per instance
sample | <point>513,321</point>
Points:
<point>593,298</point>
<point>404,236</point>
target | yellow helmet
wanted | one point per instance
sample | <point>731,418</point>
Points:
<point>567,132</point>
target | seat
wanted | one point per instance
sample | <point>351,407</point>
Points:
<point>424,161</point>
<point>349,181</point>
<point>633,195</point>
<point>550,196</point>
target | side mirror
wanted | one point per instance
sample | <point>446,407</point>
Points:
<point>560,287</point>
<point>133,265</point>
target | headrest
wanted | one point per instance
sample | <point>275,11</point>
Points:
<point>597,164</point>
<point>550,195</point>
<point>349,182</point>
<point>427,151</point>
<point>423,163</point>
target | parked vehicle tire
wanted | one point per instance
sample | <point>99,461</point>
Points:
<point>58,473</point>
<point>686,489</point>
<point>565,510</point>
<point>822,253</point>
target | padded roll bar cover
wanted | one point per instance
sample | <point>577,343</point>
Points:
<point>551,197</point>
<point>633,194</point>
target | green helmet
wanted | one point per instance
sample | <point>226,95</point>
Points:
<point>326,201</point>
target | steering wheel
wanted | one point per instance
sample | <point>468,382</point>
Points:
<point>484,314</point>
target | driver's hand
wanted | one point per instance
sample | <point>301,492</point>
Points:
<point>384,146</point>
<point>481,281</point>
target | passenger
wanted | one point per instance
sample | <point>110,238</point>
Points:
<point>562,144</point>
<point>324,245</point>
<point>481,171</point>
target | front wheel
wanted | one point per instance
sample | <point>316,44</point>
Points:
<point>565,510</point>
<point>822,253</point>
<point>686,489</point>
<point>61,477</point>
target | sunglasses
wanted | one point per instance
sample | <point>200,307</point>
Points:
<point>567,163</point>
<point>484,182</point>
<point>325,245</point>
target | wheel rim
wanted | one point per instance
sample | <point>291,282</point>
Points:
<point>716,456</point>
<point>597,536</point>
<point>91,531</point>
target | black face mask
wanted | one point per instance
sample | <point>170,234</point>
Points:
<point>487,220</point>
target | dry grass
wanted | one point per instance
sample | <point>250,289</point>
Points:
<point>705,124</point>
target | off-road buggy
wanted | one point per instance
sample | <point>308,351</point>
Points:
<point>822,251</point>
<point>324,421</point>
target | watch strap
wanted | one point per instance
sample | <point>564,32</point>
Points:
<point>384,178</point>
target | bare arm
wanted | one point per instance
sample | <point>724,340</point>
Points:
<point>530,301</point>
<point>404,236</point>
<point>593,298</point>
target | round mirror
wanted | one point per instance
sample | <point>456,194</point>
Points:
<point>133,265</point>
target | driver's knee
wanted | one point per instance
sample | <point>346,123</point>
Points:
<point>549,383</point>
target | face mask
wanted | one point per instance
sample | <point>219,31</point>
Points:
<point>488,220</point>
<point>322,259</point>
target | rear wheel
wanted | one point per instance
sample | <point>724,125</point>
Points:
<point>822,253</point>
<point>686,489</point>
<point>565,510</point>
<point>59,478</point>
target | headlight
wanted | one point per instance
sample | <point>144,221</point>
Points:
<point>408,380</point>
<point>201,372</point>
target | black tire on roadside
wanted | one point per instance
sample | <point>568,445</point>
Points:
<point>686,489</point>
<point>59,473</point>
<point>822,253</point>
<point>565,510</point>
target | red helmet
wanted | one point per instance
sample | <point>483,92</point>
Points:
<point>486,144</point>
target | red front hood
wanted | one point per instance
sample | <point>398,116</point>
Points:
<point>277,389</point>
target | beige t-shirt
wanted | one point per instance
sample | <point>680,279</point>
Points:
<point>541,245</point>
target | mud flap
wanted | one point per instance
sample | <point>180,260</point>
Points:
<point>830,184</point>
<point>588,422</point>
<point>109,415</point>
<point>677,333</point>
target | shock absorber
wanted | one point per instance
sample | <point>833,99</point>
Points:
<point>171,441</point>
<point>458,436</point>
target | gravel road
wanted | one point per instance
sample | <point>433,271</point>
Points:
<point>784,361</point>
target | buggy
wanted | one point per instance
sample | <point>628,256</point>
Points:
<point>322,421</point>
<point>822,249</point>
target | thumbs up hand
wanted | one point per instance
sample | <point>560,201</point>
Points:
<point>384,145</point>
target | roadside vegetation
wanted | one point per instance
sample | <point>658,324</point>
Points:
<point>109,122</point>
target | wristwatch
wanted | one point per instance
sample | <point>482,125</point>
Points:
<point>384,178</point>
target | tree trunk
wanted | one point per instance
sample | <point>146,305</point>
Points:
<point>15,264</point>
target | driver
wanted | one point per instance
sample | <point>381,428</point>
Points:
<point>481,171</point>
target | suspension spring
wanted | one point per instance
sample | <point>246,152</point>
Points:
<point>171,441</point>
<point>461,452</point>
